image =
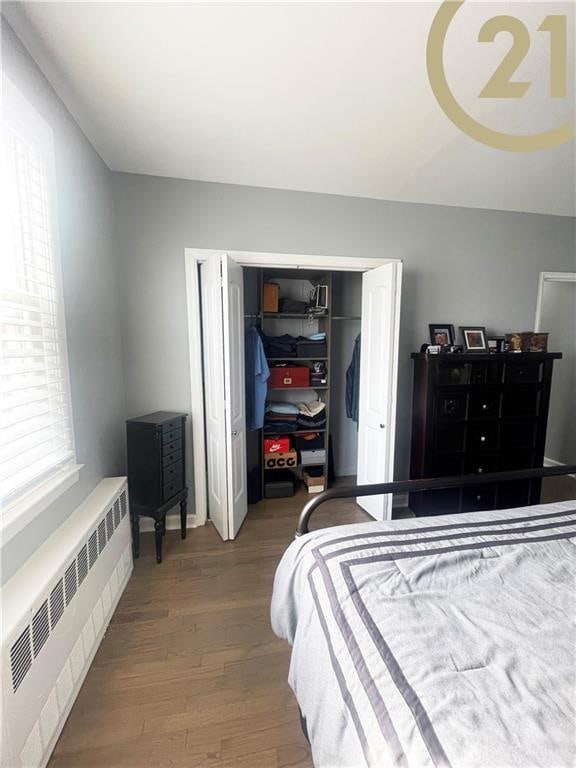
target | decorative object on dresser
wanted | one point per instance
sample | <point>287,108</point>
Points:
<point>441,334</point>
<point>474,338</point>
<point>156,472</point>
<point>527,341</point>
<point>479,413</point>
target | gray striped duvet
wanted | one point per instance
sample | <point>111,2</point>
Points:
<point>447,641</point>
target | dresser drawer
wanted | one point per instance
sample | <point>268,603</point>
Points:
<point>170,458</point>
<point>478,497</point>
<point>522,372</point>
<point>172,473</point>
<point>451,406</point>
<point>169,435</point>
<point>516,459</point>
<point>464,374</point>
<point>168,448</point>
<point>445,501</point>
<point>481,465</point>
<point>514,494</point>
<point>450,438</point>
<point>446,466</point>
<point>521,403</point>
<point>517,434</point>
<point>482,437</point>
<point>171,489</point>
<point>483,405</point>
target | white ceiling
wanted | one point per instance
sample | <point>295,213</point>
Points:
<point>322,97</point>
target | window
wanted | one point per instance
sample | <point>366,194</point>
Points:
<point>37,441</point>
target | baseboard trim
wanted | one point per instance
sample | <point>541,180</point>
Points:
<point>553,463</point>
<point>172,523</point>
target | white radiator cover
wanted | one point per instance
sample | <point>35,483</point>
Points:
<point>55,610</point>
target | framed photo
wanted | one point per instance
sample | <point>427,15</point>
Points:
<point>474,338</point>
<point>441,334</point>
<point>496,344</point>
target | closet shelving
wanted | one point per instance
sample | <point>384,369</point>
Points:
<point>298,324</point>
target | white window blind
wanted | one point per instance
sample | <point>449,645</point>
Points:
<point>35,413</point>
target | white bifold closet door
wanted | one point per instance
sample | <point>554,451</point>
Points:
<point>380,328</point>
<point>223,351</point>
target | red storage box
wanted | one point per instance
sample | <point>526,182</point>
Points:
<point>290,376</point>
<point>276,445</point>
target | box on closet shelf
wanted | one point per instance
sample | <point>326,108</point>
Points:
<point>289,376</point>
<point>276,445</point>
<point>271,297</point>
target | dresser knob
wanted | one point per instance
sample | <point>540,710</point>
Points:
<point>480,470</point>
<point>478,497</point>
<point>482,439</point>
<point>484,406</point>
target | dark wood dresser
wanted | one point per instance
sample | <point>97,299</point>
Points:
<point>156,472</point>
<point>476,413</point>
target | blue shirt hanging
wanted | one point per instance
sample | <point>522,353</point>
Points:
<point>257,375</point>
<point>353,383</point>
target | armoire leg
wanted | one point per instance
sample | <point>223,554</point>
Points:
<point>135,536</point>
<point>158,528</point>
<point>183,513</point>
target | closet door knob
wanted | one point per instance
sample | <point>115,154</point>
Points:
<point>382,426</point>
<point>234,432</point>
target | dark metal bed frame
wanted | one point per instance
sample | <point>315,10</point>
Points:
<point>430,484</point>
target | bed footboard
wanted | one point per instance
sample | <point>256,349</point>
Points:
<point>430,484</point>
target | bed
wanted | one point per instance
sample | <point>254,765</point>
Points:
<point>442,641</point>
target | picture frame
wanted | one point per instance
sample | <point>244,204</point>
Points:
<point>441,334</point>
<point>474,337</point>
<point>496,344</point>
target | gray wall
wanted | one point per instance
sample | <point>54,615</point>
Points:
<point>461,266</point>
<point>91,301</point>
<point>558,317</point>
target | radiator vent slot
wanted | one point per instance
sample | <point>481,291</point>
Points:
<point>110,523</point>
<point>123,506</point>
<point>92,549</point>
<point>40,628</point>
<point>116,514</point>
<point>56,604</point>
<point>70,582</point>
<point>33,638</point>
<point>20,658</point>
<point>82,561</point>
<point>102,536</point>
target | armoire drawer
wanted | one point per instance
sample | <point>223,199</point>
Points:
<point>173,473</point>
<point>522,372</point>
<point>478,497</point>
<point>521,403</point>
<point>171,457</point>
<point>445,501</point>
<point>483,405</point>
<point>482,437</point>
<point>168,448</point>
<point>169,435</point>
<point>515,459</point>
<point>171,489</point>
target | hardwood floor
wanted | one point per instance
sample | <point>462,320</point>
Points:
<point>189,673</point>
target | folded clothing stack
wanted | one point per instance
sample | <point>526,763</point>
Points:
<point>312,415</point>
<point>280,418</point>
<point>287,346</point>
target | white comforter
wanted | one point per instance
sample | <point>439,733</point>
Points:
<point>447,641</point>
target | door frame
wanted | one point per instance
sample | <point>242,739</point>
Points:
<point>193,257</point>
<point>549,277</point>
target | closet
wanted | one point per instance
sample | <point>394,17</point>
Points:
<point>309,449</point>
<point>307,319</point>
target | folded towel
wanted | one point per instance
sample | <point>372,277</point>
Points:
<point>317,336</point>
